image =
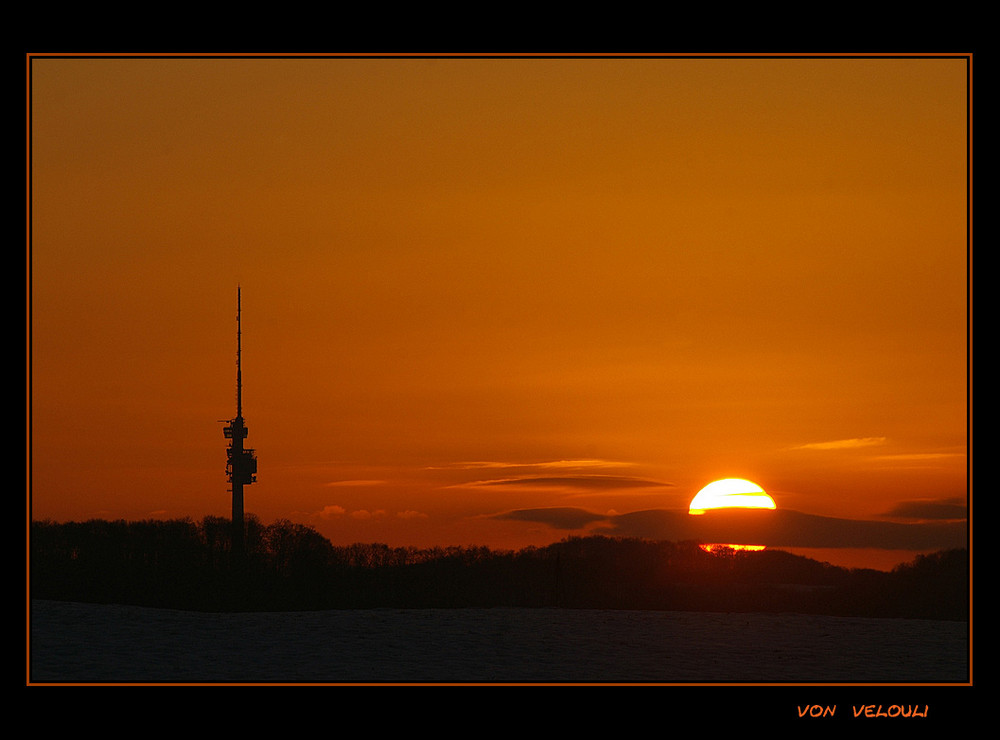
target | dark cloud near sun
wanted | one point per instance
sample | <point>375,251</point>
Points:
<point>558,517</point>
<point>773,528</point>
<point>954,508</point>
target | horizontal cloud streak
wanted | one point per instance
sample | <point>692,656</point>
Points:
<point>575,482</point>
<point>349,483</point>
<point>842,444</point>
<point>920,456</point>
<point>554,464</point>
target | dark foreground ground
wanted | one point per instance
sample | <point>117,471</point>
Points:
<point>93,643</point>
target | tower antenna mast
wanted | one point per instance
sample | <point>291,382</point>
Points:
<point>241,464</point>
<point>239,353</point>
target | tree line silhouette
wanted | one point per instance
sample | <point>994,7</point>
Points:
<point>183,564</point>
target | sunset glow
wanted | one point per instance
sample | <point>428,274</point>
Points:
<point>604,281</point>
<point>730,493</point>
<point>739,548</point>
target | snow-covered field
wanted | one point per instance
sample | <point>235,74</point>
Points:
<point>85,643</point>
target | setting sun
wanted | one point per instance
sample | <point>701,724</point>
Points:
<point>730,492</point>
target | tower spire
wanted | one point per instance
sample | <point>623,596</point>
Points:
<point>239,370</point>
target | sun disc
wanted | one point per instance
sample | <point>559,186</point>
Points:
<point>730,493</point>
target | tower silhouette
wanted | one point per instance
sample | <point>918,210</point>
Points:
<point>241,464</point>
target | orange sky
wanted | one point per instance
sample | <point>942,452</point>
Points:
<point>478,286</point>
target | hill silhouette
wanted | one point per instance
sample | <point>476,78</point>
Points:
<point>773,528</point>
<point>183,564</point>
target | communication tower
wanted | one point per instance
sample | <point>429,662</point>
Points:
<point>241,462</point>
